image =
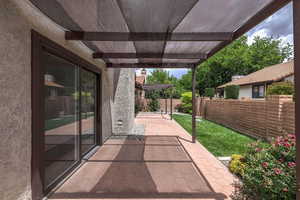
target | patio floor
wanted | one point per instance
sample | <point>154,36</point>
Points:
<point>162,164</point>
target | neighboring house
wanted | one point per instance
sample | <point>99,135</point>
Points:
<point>255,84</point>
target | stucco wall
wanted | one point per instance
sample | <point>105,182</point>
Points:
<point>123,104</point>
<point>17,18</point>
<point>245,91</point>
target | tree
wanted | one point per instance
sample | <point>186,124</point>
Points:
<point>209,92</point>
<point>239,58</point>
<point>160,76</point>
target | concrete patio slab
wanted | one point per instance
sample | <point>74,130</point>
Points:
<point>163,164</point>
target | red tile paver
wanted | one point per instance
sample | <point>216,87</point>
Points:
<point>165,165</point>
<point>213,170</point>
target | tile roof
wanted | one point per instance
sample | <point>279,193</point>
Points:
<point>267,74</point>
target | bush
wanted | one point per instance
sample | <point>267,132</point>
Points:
<point>209,92</point>
<point>186,106</point>
<point>281,88</point>
<point>232,92</point>
<point>137,108</point>
<point>236,164</point>
<point>153,105</point>
<point>269,172</point>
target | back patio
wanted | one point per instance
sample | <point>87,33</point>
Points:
<point>162,163</point>
<point>64,61</point>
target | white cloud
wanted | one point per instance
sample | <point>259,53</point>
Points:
<point>260,33</point>
<point>287,39</point>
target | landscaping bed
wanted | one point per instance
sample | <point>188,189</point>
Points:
<point>265,171</point>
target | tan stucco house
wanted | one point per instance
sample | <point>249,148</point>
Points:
<point>254,85</point>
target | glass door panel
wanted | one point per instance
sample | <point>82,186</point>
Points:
<point>88,110</point>
<point>61,135</point>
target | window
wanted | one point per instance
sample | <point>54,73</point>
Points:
<point>258,91</point>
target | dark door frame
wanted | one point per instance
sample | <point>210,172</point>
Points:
<point>39,44</point>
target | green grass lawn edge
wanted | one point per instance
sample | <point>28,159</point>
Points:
<point>217,139</point>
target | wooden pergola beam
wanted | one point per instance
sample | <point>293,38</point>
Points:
<point>150,65</point>
<point>149,55</point>
<point>253,21</point>
<point>145,36</point>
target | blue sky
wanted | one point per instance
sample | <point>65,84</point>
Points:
<point>279,25</point>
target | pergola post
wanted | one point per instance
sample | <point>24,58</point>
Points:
<point>296,8</point>
<point>166,106</point>
<point>194,106</point>
<point>171,104</point>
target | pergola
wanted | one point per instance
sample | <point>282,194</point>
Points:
<point>165,33</point>
<point>155,87</point>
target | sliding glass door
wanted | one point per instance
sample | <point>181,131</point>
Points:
<point>70,113</point>
<point>66,110</point>
<point>88,110</point>
<point>61,142</point>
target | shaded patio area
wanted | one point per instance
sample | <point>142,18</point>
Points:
<point>162,163</point>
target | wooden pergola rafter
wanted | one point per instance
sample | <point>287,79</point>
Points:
<point>150,55</point>
<point>150,65</point>
<point>148,36</point>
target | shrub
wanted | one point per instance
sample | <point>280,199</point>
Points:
<point>232,92</point>
<point>186,105</point>
<point>236,164</point>
<point>269,172</point>
<point>153,105</point>
<point>209,92</point>
<point>281,88</point>
<point>137,108</point>
<point>186,97</point>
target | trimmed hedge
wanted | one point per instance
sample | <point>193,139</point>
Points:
<point>281,88</point>
<point>232,92</point>
<point>209,92</point>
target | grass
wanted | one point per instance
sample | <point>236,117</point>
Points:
<point>220,141</point>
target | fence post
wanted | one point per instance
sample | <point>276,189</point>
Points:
<point>171,104</point>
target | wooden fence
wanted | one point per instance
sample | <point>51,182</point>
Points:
<point>164,104</point>
<point>258,118</point>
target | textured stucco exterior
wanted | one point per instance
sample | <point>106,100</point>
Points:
<point>17,19</point>
<point>245,91</point>
<point>123,104</point>
<point>290,78</point>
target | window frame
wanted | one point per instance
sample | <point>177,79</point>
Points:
<point>256,95</point>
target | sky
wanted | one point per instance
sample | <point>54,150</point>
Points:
<point>279,25</point>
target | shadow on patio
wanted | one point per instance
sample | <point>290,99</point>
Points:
<point>139,167</point>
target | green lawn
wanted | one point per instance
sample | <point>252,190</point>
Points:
<point>217,139</point>
<point>55,123</point>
